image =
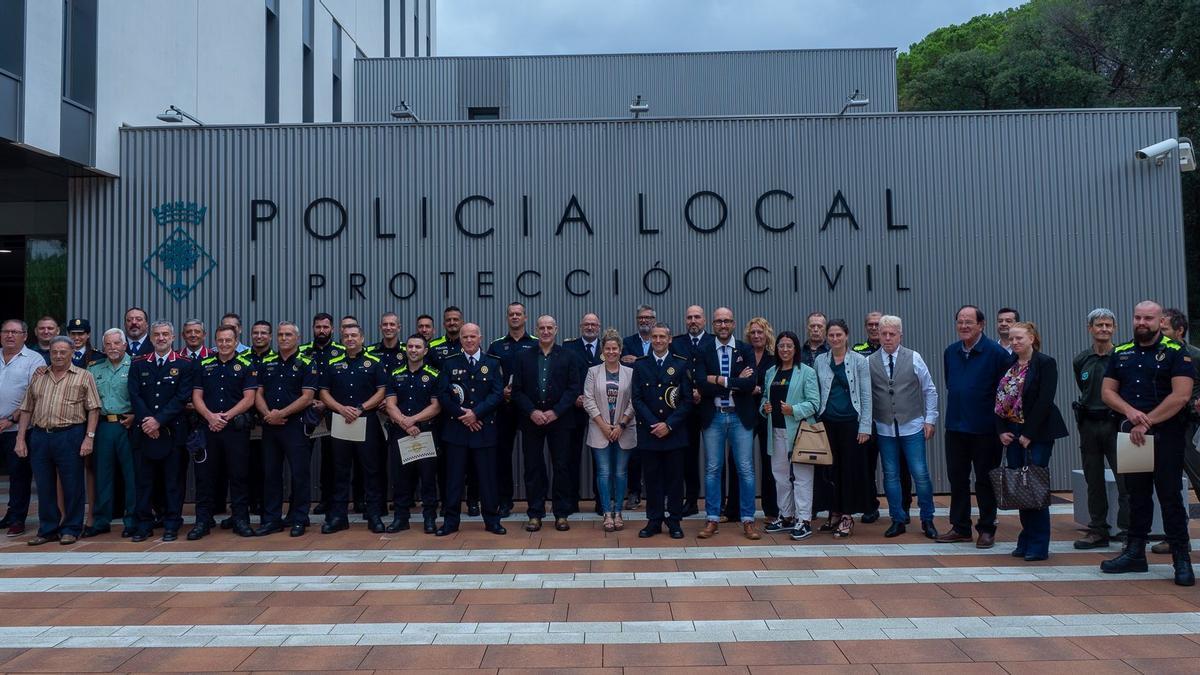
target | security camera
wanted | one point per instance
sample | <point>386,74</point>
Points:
<point>638,106</point>
<point>1158,151</point>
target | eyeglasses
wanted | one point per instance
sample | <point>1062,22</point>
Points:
<point>722,321</point>
<point>12,332</point>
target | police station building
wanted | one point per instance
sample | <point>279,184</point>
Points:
<point>775,183</point>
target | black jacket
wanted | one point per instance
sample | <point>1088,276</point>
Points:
<point>1043,421</point>
<point>563,385</point>
<point>707,362</point>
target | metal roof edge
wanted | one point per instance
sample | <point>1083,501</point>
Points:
<point>625,54</point>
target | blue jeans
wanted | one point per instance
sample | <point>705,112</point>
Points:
<point>726,426</point>
<point>55,456</point>
<point>1035,523</point>
<point>611,476</point>
<point>913,447</point>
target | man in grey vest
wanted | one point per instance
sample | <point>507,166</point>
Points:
<point>905,409</point>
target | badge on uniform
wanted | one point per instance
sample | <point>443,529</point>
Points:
<point>173,372</point>
<point>458,391</point>
<point>671,371</point>
<point>237,367</point>
<point>1161,356</point>
<point>483,369</point>
<point>295,368</point>
<point>1084,375</point>
<point>424,378</point>
<point>671,397</point>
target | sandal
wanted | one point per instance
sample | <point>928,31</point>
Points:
<point>618,524</point>
<point>831,524</point>
<point>608,523</point>
<point>844,528</point>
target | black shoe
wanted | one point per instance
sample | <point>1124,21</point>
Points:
<point>1182,560</point>
<point>375,525</point>
<point>871,517</point>
<point>675,530</point>
<point>473,509</point>
<point>928,529</point>
<point>649,531</point>
<point>445,531</point>
<point>1132,559</point>
<point>198,532</point>
<point>896,529</point>
<point>690,508</point>
<point>334,525</point>
<point>227,523</point>
<point>297,530</point>
<point>430,525</point>
<point>91,531</point>
<point>242,529</point>
<point>397,524</point>
<point>360,508</point>
<point>495,529</point>
<point>170,535</point>
<point>505,511</point>
<point>268,529</point>
<point>127,533</point>
<point>6,521</point>
<point>320,509</point>
<point>1034,557</point>
<point>139,537</point>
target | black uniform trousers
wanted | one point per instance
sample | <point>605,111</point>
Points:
<point>692,480</point>
<point>154,464</point>
<point>575,457</point>
<point>405,479</point>
<point>458,459</point>
<point>226,453</point>
<point>281,443</point>
<point>1166,481</point>
<point>964,452</point>
<point>506,435</point>
<point>663,471</point>
<point>374,476</point>
<point>558,437</point>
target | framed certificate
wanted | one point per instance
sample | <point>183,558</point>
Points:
<point>414,448</point>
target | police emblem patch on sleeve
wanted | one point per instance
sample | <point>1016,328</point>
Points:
<point>458,392</point>
<point>1084,375</point>
<point>671,397</point>
<point>424,378</point>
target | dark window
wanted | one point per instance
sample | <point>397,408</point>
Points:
<point>307,60</point>
<point>403,28</point>
<point>337,72</point>
<point>387,27</point>
<point>416,27</point>
<point>12,37</point>
<point>271,92</point>
<point>308,23</point>
<point>79,52</point>
<point>483,113</point>
<point>428,28</point>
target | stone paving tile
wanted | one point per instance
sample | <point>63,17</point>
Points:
<point>613,611</point>
<point>1168,666</point>
<point>537,612</point>
<point>889,651</point>
<point>663,655</point>
<point>184,660</point>
<point>824,609</point>
<point>407,613</point>
<point>69,660</point>
<point>545,656</point>
<point>305,658</point>
<point>1107,667</point>
<point>1150,646</point>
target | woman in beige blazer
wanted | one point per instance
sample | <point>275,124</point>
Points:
<point>611,430</point>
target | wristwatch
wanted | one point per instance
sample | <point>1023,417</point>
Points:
<point>91,434</point>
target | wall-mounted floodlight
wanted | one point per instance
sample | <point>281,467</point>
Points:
<point>853,101</point>
<point>403,112</point>
<point>1162,149</point>
<point>638,106</point>
<point>174,115</point>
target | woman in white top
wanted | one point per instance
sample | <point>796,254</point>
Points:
<point>611,432</point>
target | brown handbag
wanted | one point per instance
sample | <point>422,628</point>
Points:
<point>812,445</point>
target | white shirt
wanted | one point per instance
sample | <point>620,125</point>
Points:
<point>140,341</point>
<point>645,347</point>
<point>14,379</point>
<point>475,356</point>
<point>931,400</point>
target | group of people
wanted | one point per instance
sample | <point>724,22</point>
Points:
<point>661,412</point>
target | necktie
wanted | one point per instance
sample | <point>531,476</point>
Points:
<point>725,400</point>
<point>472,360</point>
<point>79,355</point>
<point>660,362</point>
<point>161,361</point>
<point>591,351</point>
<point>891,366</point>
<point>137,344</point>
<point>695,342</point>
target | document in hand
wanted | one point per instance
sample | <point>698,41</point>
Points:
<point>355,431</point>
<point>1132,458</point>
<point>413,448</point>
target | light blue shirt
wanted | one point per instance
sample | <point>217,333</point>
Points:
<point>928,388</point>
<point>15,374</point>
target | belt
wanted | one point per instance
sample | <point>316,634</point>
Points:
<point>114,418</point>
<point>55,430</point>
<point>726,409</point>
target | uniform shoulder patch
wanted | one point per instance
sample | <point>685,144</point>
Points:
<point>499,339</point>
<point>337,345</point>
<point>271,358</point>
<point>397,371</point>
<point>1124,346</point>
<point>243,359</point>
<point>373,357</point>
<point>205,362</point>
<point>304,347</point>
<point>432,371</point>
<point>437,341</point>
<point>337,359</point>
<point>1171,344</point>
<point>304,359</point>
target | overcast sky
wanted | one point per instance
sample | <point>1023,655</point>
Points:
<point>488,27</point>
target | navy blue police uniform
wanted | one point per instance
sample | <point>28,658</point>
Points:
<point>223,384</point>
<point>82,358</point>
<point>390,357</point>
<point>632,345</point>
<point>162,392</point>
<point>479,388</point>
<point>549,383</point>
<point>692,347</point>
<point>413,391</point>
<point>662,392</point>
<point>352,381</point>
<point>506,350</point>
<point>320,355</point>
<point>442,348</point>
<point>282,382</point>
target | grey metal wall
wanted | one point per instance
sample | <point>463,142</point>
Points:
<point>603,85</point>
<point>1044,211</point>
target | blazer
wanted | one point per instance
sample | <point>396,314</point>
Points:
<point>803,395</point>
<point>662,395</point>
<point>708,362</point>
<point>161,393</point>
<point>480,388</point>
<point>575,346</point>
<point>595,402</point>
<point>858,375</point>
<point>632,344</point>
<point>1043,421</point>
<point>562,384</point>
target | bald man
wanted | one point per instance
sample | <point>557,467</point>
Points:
<point>690,345</point>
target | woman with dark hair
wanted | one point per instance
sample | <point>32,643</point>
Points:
<point>844,378</point>
<point>790,396</point>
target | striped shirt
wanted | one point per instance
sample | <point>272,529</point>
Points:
<point>58,401</point>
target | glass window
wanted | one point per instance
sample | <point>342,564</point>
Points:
<point>79,51</point>
<point>483,113</point>
<point>12,36</point>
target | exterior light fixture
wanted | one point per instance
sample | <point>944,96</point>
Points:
<point>174,115</point>
<point>403,112</point>
<point>853,101</point>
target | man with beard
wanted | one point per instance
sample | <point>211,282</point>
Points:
<point>506,349</point>
<point>691,345</point>
<point>319,350</point>
<point>586,349</point>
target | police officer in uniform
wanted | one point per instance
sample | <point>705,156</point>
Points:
<point>319,350</point>
<point>662,399</point>
<point>223,392</point>
<point>260,349</point>
<point>471,391</point>
<point>84,355</point>
<point>1148,382</point>
<point>353,385</point>
<point>411,406</point>
<point>287,383</point>
<point>160,385</point>
<point>820,500</point>
<point>442,348</point>
<point>389,348</point>
<point>506,349</point>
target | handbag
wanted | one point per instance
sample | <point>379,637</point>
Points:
<point>1026,487</point>
<point>812,445</point>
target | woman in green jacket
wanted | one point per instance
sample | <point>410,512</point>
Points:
<point>790,396</point>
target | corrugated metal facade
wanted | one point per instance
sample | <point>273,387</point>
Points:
<point>1044,211</point>
<point>603,85</point>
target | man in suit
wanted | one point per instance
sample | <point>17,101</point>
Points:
<point>586,349</point>
<point>506,349</point>
<point>470,391</point>
<point>690,345</point>
<point>544,388</point>
<point>633,348</point>
<point>160,385</point>
<point>136,325</point>
<point>662,398</point>
<point>724,375</point>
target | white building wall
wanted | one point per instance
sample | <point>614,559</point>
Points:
<point>42,85</point>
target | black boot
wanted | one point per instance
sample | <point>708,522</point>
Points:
<point>1132,559</point>
<point>1184,576</point>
